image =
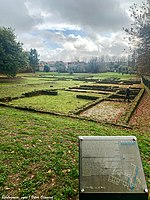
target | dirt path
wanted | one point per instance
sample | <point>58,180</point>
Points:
<point>141,116</point>
<point>107,111</point>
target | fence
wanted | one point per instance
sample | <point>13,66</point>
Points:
<point>146,81</point>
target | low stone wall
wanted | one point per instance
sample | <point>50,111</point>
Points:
<point>89,105</point>
<point>146,81</point>
<point>86,97</point>
<point>130,82</point>
<point>132,91</point>
<point>96,87</point>
<point>70,115</point>
<point>120,94</point>
<point>40,92</point>
<point>30,94</point>
<point>87,91</point>
<point>127,116</point>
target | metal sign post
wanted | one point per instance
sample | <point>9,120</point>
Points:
<point>110,168</point>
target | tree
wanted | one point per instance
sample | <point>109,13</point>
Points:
<point>34,59</point>
<point>96,65</point>
<point>102,64</point>
<point>139,35</point>
<point>93,65</point>
<point>60,66</point>
<point>12,56</point>
<point>46,68</point>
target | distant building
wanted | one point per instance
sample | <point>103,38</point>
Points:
<point>50,64</point>
<point>61,66</point>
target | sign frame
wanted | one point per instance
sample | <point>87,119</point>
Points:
<point>91,149</point>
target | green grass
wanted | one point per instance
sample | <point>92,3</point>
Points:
<point>95,75</point>
<point>30,82</point>
<point>13,90</point>
<point>63,102</point>
<point>114,75</point>
<point>39,153</point>
<point>17,90</point>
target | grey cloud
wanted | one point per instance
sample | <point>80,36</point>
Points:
<point>15,14</point>
<point>97,18</point>
<point>98,15</point>
<point>117,48</point>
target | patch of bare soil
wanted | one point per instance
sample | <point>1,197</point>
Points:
<point>108,111</point>
<point>141,116</point>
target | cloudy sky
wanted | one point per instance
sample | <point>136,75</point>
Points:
<point>69,29</point>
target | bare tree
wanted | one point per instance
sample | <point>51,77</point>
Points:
<point>139,35</point>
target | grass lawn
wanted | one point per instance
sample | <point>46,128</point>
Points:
<point>14,90</point>
<point>29,82</point>
<point>94,75</point>
<point>39,153</point>
<point>63,102</point>
<point>114,75</point>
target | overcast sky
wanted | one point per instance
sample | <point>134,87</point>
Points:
<point>69,29</point>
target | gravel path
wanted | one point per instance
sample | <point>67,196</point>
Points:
<point>141,116</point>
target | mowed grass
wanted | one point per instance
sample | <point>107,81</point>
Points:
<point>39,153</point>
<point>63,102</point>
<point>13,90</point>
<point>115,75</point>
<point>94,75</point>
<point>29,82</point>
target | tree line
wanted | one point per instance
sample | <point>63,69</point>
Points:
<point>94,65</point>
<point>13,58</point>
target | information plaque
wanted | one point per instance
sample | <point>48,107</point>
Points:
<point>110,168</point>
